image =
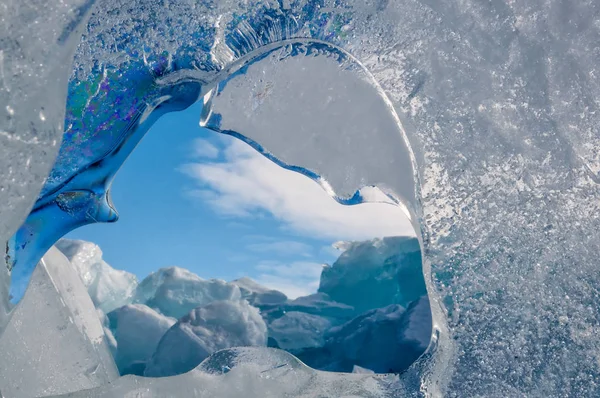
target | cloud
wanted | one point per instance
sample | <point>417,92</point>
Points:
<point>204,149</point>
<point>281,248</point>
<point>294,279</point>
<point>247,184</point>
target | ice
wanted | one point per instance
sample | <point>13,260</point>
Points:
<point>297,330</point>
<point>205,330</point>
<point>375,340</point>
<point>109,288</point>
<point>498,101</point>
<point>316,304</point>
<point>137,330</point>
<point>258,295</point>
<point>359,370</point>
<point>174,291</point>
<point>54,342</point>
<point>35,65</point>
<point>247,372</point>
<point>376,273</point>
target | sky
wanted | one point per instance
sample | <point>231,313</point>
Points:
<point>204,201</point>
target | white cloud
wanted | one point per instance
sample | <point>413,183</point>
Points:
<point>248,184</point>
<point>295,279</point>
<point>204,149</point>
<point>281,248</point>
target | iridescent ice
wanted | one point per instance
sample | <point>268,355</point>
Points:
<point>498,101</point>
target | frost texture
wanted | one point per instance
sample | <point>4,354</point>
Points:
<point>499,102</point>
<point>54,342</point>
<point>35,65</point>
<point>109,288</point>
<point>205,330</point>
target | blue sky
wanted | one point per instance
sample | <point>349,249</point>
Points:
<point>209,203</point>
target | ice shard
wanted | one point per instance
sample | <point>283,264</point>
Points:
<point>54,342</point>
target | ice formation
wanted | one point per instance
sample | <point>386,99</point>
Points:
<point>137,330</point>
<point>175,291</point>
<point>375,340</point>
<point>54,342</point>
<point>374,274</point>
<point>498,102</point>
<point>204,331</point>
<point>258,295</point>
<point>109,288</point>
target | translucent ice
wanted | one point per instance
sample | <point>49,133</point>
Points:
<point>137,330</point>
<point>35,65</point>
<point>54,342</point>
<point>498,101</point>
<point>205,330</point>
<point>247,372</point>
<point>176,291</point>
<point>376,340</point>
<point>109,288</point>
<point>297,330</point>
<point>375,274</point>
<point>258,295</point>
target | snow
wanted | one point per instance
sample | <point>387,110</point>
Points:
<point>137,330</point>
<point>109,288</point>
<point>205,330</point>
<point>174,291</point>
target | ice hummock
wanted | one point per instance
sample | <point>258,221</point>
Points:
<point>297,330</point>
<point>109,288</point>
<point>204,331</point>
<point>137,330</point>
<point>258,295</point>
<point>375,340</point>
<point>54,342</point>
<point>374,274</point>
<point>316,328</point>
<point>174,291</point>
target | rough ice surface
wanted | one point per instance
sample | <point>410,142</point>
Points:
<point>247,372</point>
<point>359,370</point>
<point>376,340</point>
<point>174,291</point>
<point>109,288</point>
<point>205,330</point>
<point>258,295</point>
<point>33,90</point>
<point>374,274</point>
<point>54,342</point>
<point>137,330</point>
<point>297,330</point>
<point>316,304</point>
<point>498,101</point>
